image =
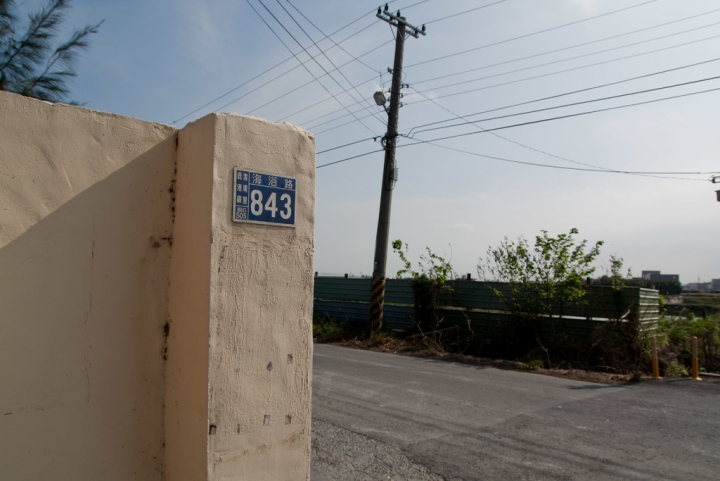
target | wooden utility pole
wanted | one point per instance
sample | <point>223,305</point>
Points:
<point>389,141</point>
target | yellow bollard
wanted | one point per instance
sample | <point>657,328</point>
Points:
<point>695,369</point>
<point>653,356</point>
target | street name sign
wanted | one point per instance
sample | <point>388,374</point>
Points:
<point>262,198</point>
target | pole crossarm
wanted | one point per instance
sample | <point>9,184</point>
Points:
<point>396,19</point>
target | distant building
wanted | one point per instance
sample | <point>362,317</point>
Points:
<point>702,286</point>
<point>657,276</point>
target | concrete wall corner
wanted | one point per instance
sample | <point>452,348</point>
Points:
<point>240,308</point>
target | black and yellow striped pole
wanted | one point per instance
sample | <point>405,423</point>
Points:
<point>695,367</point>
<point>377,300</point>
<point>389,141</point>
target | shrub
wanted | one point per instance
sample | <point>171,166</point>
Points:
<point>428,283</point>
<point>675,334</point>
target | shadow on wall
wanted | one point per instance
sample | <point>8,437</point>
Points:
<point>84,302</point>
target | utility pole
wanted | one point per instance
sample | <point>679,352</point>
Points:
<point>389,141</point>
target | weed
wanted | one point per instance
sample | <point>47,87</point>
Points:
<point>675,370</point>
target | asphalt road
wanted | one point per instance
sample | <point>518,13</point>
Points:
<point>385,417</point>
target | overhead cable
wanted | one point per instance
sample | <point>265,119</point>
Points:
<point>656,175</point>
<point>301,46</point>
<point>584,44</point>
<point>590,54</point>
<point>344,145</point>
<point>321,76</point>
<point>529,34</point>
<point>573,104</point>
<point>570,92</point>
<point>579,114</point>
<point>278,64</point>
<point>534,77</point>
<point>330,60</point>
<point>549,120</point>
<point>463,12</point>
<point>525,146</point>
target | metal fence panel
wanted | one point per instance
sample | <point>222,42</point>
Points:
<point>476,303</point>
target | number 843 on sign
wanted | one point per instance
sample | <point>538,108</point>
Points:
<point>263,198</point>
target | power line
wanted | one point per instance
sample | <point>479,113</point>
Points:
<point>568,48</point>
<point>372,78</point>
<point>579,114</point>
<point>321,76</point>
<point>301,46</point>
<point>526,146</point>
<point>494,134</point>
<point>348,158</point>
<point>418,141</point>
<point>607,171</point>
<point>328,58</point>
<point>463,12</point>
<point>570,93</point>
<point>525,79</point>
<point>573,104</point>
<point>344,145</point>
<point>278,64</point>
<point>328,36</point>
<point>567,59</point>
<point>529,34</point>
<point>308,83</point>
<point>656,175</point>
<point>276,77</point>
<point>571,69</point>
<point>545,64</point>
<point>329,98</point>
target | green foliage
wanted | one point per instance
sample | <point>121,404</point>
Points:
<point>675,370</point>
<point>326,329</point>
<point>432,267</point>
<point>533,365</point>
<point>675,333</point>
<point>616,279</point>
<point>543,279</point>
<point>428,283</point>
<point>29,64</point>
<point>543,282</point>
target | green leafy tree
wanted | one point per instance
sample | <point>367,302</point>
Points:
<point>428,283</point>
<point>31,61</point>
<point>544,279</point>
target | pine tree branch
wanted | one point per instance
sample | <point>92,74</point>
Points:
<point>64,54</point>
<point>34,43</point>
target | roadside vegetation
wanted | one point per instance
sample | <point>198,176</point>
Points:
<point>541,283</point>
<point>675,354</point>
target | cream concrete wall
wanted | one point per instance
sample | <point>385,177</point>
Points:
<point>256,309</point>
<point>186,404</point>
<point>84,208</point>
<point>115,232</point>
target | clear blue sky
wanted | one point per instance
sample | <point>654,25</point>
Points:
<point>160,61</point>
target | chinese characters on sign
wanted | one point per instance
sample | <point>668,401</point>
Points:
<point>264,198</point>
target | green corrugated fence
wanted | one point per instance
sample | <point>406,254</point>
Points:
<point>475,303</point>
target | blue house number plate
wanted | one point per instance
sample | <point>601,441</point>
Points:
<point>264,198</point>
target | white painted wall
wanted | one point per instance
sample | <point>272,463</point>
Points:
<point>84,207</point>
<point>93,270</point>
<point>255,310</point>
